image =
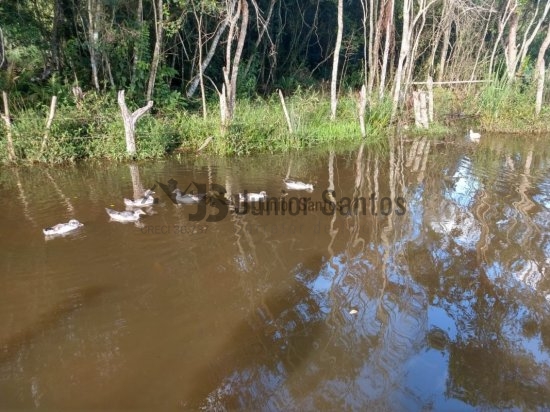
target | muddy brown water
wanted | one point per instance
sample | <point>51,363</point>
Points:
<point>432,295</point>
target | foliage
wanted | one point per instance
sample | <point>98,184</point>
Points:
<point>94,128</point>
<point>46,49</point>
<point>508,107</point>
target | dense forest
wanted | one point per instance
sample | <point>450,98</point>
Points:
<point>206,58</point>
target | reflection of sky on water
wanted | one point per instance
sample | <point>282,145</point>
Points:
<point>543,197</point>
<point>405,335</point>
<point>466,185</point>
<point>439,318</point>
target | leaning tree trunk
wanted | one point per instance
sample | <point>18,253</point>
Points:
<point>195,81</point>
<point>130,120</point>
<point>334,80</point>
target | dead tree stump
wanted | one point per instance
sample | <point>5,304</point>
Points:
<point>130,120</point>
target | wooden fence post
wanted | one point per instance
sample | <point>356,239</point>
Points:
<point>430,84</point>
<point>423,110</point>
<point>420,110</point>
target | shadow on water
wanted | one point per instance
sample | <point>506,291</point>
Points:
<point>424,288</point>
<point>49,319</point>
<point>275,339</point>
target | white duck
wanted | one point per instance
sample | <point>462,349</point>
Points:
<point>474,136</point>
<point>297,185</point>
<point>252,197</point>
<point>146,200</point>
<point>125,216</point>
<point>188,198</point>
<point>62,228</point>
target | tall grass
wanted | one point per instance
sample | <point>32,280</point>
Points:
<point>94,129</point>
<point>509,107</point>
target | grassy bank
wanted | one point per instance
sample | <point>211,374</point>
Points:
<point>94,128</point>
<point>496,106</point>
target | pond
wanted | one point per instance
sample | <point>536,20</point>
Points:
<point>408,279</point>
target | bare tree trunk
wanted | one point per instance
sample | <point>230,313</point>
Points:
<point>231,69</point>
<point>406,55</point>
<point>482,45</point>
<point>507,13</point>
<point>287,116</point>
<point>365,9</point>
<point>412,55</point>
<point>136,181</point>
<point>3,60</point>
<point>6,117</point>
<point>158,9</point>
<point>403,54</point>
<point>264,23</point>
<point>387,43</point>
<point>108,70</point>
<point>94,10</point>
<point>223,108</point>
<point>48,123</point>
<point>56,30</point>
<point>362,104</point>
<point>201,78</point>
<point>195,81</point>
<point>237,56</point>
<point>137,51</point>
<point>443,55</point>
<point>529,35</point>
<point>334,79</point>
<point>374,41</point>
<point>540,71</point>
<point>434,41</point>
<point>512,49</point>
<point>130,120</point>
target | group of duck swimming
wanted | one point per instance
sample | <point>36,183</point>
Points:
<point>134,207</point>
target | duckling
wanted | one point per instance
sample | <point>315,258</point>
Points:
<point>297,185</point>
<point>252,197</point>
<point>474,136</point>
<point>62,228</point>
<point>125,216</point>
<point>146,200</point>
<point>188,198</point>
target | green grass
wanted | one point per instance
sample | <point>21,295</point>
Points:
<point>510,108</point>
<point>94,130</point>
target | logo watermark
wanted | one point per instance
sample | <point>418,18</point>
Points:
<point>185,229</point>
<point>283,205</point>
